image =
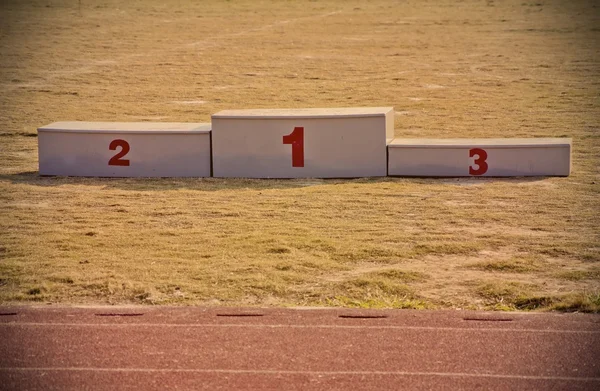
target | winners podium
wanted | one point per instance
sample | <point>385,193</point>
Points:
<point>287,143</point>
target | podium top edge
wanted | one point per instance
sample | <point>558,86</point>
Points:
<point>479,142</point>
<point>304,113</point>
<point>126,127</point>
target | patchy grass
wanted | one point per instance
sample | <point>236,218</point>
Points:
<point>388,288</point>
<point>446,248</point>
<point>379,303</point>
<point>506,295</point>
<point>396,275</point>
<point>579,275</point>
<point>511,295</point>
<point>578,302</point>
<point>512,265</point>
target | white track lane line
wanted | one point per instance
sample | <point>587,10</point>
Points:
<point>309,373</point>
<point>295,326</point>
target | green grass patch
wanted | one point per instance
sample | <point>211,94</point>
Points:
<point>378,289</point>
<point>369,254</point>
<point>578,302</point>
<point>279,250</point>
<point>509,296</point>
<point>379,303</point>
<point>513,265</point>
<point>446,248</point>
<point>61,279</point>
<point>578,275</point>
<point>502,295</point>
<point>395,275</point>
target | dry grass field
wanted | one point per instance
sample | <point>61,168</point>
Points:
<point>514,68</point>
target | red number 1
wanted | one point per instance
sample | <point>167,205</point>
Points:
<point>296,138</point>
<point>482,166</point>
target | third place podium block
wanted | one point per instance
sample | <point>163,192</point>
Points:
<point>125,149</point>
<point>302,143</point>
<point>480,157</point>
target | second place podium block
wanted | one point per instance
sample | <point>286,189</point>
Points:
<point>302,143</point>
<point>125,149</point>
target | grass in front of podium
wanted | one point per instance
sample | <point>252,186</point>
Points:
<point>377,243</point>
<point>508,69</point>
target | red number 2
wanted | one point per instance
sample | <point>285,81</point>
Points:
<point>116,160</point>
<point>482,166</point>
<point>296,138</point>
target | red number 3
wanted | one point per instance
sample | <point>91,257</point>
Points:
<point>482,166</point>
<point>296,138</point>
<point>116,160</point>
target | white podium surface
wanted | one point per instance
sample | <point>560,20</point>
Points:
<point>302,143</point>
<point>125,149</point>
<point>480,157</point>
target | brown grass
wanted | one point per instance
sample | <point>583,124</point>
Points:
<point>450,69</point>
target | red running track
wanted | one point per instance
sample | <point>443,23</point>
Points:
<point>159,348</point>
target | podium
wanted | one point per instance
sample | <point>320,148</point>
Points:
<point>287,143</point>
<point>302,143</point>
<point>125,149</point>
<point>480,157</point>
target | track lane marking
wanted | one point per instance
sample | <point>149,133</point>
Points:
<point>291,372</point>
<point>292,326</point>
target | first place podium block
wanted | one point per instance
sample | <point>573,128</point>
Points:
<point>302,143</point>
<point>125,149</point>
<point>480,157</point>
